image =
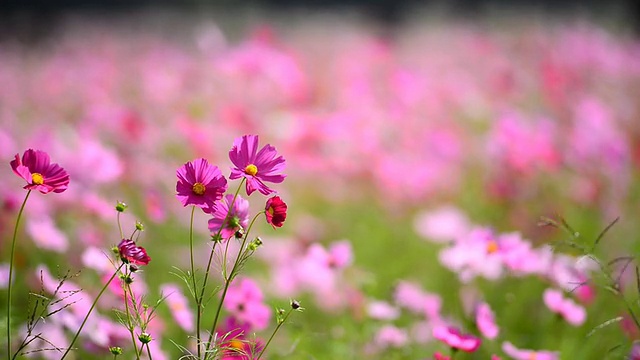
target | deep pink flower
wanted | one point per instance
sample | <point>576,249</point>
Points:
<point>439,356</point>
<point>40,174</point>
<point>276,211</point>
<point>133,253</point>
<point>256,166</point>
<point>200,184</point>
<point>228,220</point>
<point>452,337</point>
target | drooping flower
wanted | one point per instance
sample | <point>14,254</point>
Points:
<point>256,166</point>
<point>200,184</point>
<point>133,253</point>
<point>227,219</point>
<point>452,337</point>
<point>276,211</point>
<point>39,173</point>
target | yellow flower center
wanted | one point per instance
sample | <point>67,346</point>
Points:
<point>270,210</point>
<point>251,170</point>
<point>236,344</point>
<point>492,247</point>
<point>37,178</point>
<point>199,189</point>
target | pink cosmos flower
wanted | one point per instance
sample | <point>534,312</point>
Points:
<point>519,354</point>
<point>452,337</point>
<point>412,297</point>
<point>228,220</point>
<point>132,253</point>
<point>567,308</point>
<point>391,336</point>
<point>485,320</point>
<point>276,211</point>
<point>382,310</point>
<point>244,302</point>
<point>39,173</point>
<point>178,305</point>
<point>256,166</point>
<point>46,235</point>
<point>200,184</point>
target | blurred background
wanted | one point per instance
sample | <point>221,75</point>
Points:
<point>408,127</point>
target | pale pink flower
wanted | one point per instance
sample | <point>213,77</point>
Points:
<point>573,313</point>
<point>412,297</point>
<point>244,301</point>
<point>518,354</point>
<point>391,336</point>
<point>46,235</point>
<point>485,320</point>
<point>444,224</point>
<point>178,305</point>
<point>382,310</point>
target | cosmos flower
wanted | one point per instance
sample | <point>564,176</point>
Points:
<point>235,344</point>
<point>452,337</point>
<point>178,305</point>
<point>485,320</point>
<point>40,174</point>
<point>227,219</point>
<point>133,253</point>
<point>519,354</point>
<point>256,166</point>
<point>276,211</point>
<point>244,301</point>
<point>573,313</point>
<point>200,184</point>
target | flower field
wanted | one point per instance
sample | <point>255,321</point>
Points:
<point>322,190</point>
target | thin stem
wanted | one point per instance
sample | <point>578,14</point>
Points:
<point>274,333</point>
<point>149,352</point>
<point>75,337</point>
<point>193,277</point>
<point>206,274</point>
<point>119,225</point>
<point>227,280</point>
<point>129,324</point>
<point>13,248</point>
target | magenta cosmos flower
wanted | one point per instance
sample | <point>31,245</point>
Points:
<point>276,211</point>
<point>36,168</point>
<point>133,253</point>
<point>200,184</point>
<point>226,219</point>
<point>256,166</point>
<point>452,337</point>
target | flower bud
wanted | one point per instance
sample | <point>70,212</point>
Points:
<point>139,226</point>
<point>145,338</point>
<point>295,304</point>
<point>121,207</point>
<point>255,244</point>
<point>115,350</point>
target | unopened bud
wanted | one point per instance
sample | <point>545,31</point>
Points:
<point>145,338</point>
<point>115,350</point>
<point>121,207</point>
<point>139,226</point>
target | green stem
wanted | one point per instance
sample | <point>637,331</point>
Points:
<point>119,225</point>
<point>13,248</point>
<point>75,337</point>
<point>274,333</point>
<point>206,274</point>
<point>149,352</point>
<point>227,280</point>
<point>129,324</point>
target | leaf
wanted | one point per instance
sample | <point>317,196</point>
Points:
<point>605,324</point>
<point>603,232</point>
